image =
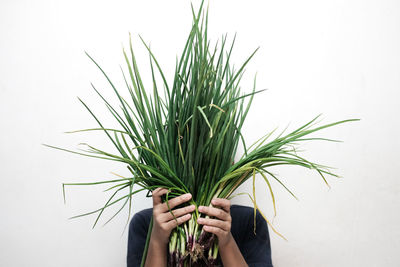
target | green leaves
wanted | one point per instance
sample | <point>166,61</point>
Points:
<point>186,141</point>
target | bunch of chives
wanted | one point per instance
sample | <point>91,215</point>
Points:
<point>186,141</point>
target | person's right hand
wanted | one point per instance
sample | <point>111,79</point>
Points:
<point>163,221</point>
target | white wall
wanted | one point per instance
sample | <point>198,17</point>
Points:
<point>339,58</point>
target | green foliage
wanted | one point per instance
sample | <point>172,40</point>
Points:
<point>187,140</point>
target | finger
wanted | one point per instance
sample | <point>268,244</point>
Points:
<point>214,230</point>
<point>176,201</point>
<point>215,212</point>
<point>167,216</point>
<point>174,223</point>
<point>157,193</point>
<point>224,203</point>
<point>224,225</point>
<point>157,189</point>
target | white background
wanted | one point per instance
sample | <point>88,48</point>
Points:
<point>339,58</point>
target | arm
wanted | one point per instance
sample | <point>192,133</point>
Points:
<point>163,224</point>
<point>221,227</point>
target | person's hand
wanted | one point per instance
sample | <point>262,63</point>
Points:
<point>163,221</point>
<point>220,225</point>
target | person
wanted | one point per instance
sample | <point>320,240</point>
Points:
<point>233,225</point>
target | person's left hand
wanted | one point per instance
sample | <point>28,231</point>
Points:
<point>220,225</point>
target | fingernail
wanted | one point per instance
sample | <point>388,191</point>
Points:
<point>200,220</point>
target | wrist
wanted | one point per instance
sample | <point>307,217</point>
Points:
<point>158,240</point>
<point>226,243</point>
<point>230,253</point>
<point>157,253</point>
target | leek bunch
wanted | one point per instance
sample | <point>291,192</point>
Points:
<point>186,141</point>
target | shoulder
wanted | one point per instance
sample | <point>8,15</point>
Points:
<point>243,223</point>
<point>245,214</point>
<point>138,228</point>
<point>141,220</point>
<point>241,210</point>
<point>142,215</point>
<point>252,240</point>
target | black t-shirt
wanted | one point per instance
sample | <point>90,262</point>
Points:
<point>255,248</point>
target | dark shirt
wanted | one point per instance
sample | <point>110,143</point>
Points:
<point>255,249</point>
